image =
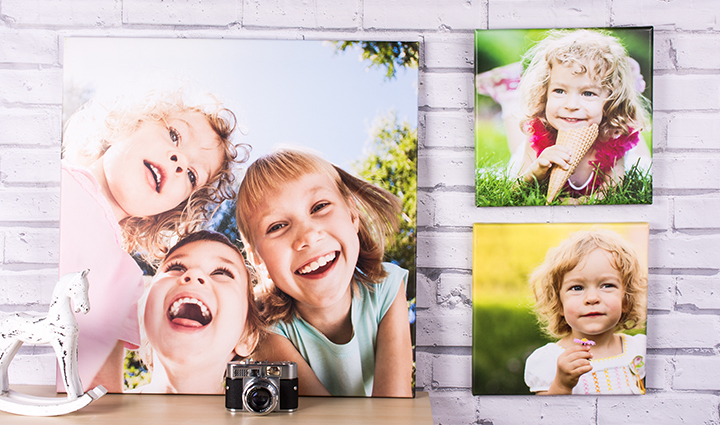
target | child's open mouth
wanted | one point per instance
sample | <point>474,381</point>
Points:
<point>157,175</point>
<point>318,266</point>
<point>189,312</point>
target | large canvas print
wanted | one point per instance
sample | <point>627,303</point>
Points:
<point>242,200</point>
<point>559,308</point>
<point>563,116</point>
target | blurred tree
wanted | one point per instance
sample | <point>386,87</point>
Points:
<point>392,164</point>
<point>388,54</point>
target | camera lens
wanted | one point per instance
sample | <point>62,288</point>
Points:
<point>260,396</point>
<point>259,399</point>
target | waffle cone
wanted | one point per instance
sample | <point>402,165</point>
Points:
<point>579,140</point>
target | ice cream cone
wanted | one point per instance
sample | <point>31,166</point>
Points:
<point>579,140</point>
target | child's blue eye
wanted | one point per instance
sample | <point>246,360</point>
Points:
<point>589,94</point>
<point>192,177</point>
<point>576,288</point>
<point>174,136</point>
<point>317,207</point>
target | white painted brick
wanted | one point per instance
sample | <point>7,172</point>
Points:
<point>699,291</point>
<point>426,292</point>
<point>546,14</point>
<point>448,51</point>
<point>426,209</point>
<point>19,46</point>
<point>444,328</point>
<point>696,131</point>
<point>697,373</point>
<point>452,129</point>
<point>455,290</point>
<point>454,209</point>
<point>453,407</point>
<point>25,205</point>
<point>688,15</point>
<point>664,57</point>
<point>37,369</point>
<point>445,250</point>
<point>446,90</point>
<point>446,168</point>
<point>692,213</point>
<point>686,92</point>
<point>181,12</point>
<point>92,13</point>
<point>32,246</point>
<point>301,14</point>
<point>686,172</point>
<point>661,409</point>
<point>656,214</point>
<point>31,86</point>
<point>684,251</point>
<point>661,290</point>
<point>423,370</point>
<point>424,14</point>
<point>40,127</point>
<point>448,371</point>
<point>683,331</point>
<point>30,166</point>
<point>27,287</point>
<point>657,369</point>
<point>691,51</point>
<point>537,410</point>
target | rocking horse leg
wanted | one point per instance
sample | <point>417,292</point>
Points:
<point>66,354</point>
<point>9,347</point>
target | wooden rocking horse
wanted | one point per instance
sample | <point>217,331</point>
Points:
<point>59,329</point>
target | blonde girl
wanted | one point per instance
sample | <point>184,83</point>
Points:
<point>337,309</point>
<point>575,79</point>
<point>134,174</point>
<point>588,290</point>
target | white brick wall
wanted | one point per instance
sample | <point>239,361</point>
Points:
<point>684,295</point>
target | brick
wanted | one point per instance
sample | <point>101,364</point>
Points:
<point>546,14</point>
<point>686,92</point>
<point>446,168</point>
<point>537,410</point>
<point>32,246</point>
<point>664,57</point>
<point>27,287</point>
<point>692,213</point>
<point>88,13</point>
<point>446,90</point>
<point>31,86</point>
<point>696,131</point>
<point>455,290</point>
<point>690,15</point>
<point>33,369</point>
<point>39,127</point>
<point>181,12</point>
<point>661,291</point>
<point>453,407</point>
<point>656,371</point>
<point>448,371</point>
<point>691,51</point>
<point>30,205</point>
<point>448,51</point>
<point>301,14</point>
<point>684,251</point>
<point>696,373</point>
<point>441,15</point>
<point>30,167</point>
<point>445,250</point>
<point>682,331</point>
<point>426,208</point>
<point>453,129</point>
<point>32,47</point>
<point>686,172</point>
<point>426,292</point>
<point>699,292</point>
<point>451,328</point>
<point>661,409</point>
<point>423,370</point>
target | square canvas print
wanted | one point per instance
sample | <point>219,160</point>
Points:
<point>559,308</point>
<point>242,200</point>
<point>563,116</point>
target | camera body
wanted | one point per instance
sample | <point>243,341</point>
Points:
<point>261,387</point>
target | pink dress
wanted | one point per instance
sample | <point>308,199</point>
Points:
<point>607,153</point>
<point>90,238</point>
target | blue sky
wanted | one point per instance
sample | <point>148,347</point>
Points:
<point>284,92</point>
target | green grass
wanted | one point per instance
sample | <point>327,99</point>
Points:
<point>494,188</point>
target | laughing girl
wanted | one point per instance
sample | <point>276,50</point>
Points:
<point>134,175</point>
<point>338,310</point>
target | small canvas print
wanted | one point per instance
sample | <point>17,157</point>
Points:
<point>242,200</point>
<point>559,308</point>
<point>563,116</point>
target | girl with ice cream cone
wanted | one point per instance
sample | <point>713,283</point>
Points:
<point>579,81</point>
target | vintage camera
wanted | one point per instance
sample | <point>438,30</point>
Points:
<point>261,387</point>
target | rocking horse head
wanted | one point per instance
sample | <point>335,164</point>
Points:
<point>73,286</point>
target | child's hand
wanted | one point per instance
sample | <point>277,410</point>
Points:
<point>572,363</point>
<point>554,155</point>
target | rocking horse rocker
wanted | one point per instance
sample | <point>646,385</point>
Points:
<point>59,329</point>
